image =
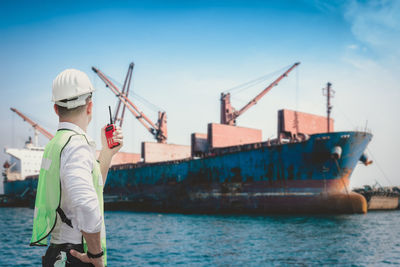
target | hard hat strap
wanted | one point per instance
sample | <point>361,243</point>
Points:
<point>74,102</point>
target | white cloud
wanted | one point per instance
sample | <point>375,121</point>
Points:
<point>371,72</point>
<point>377,25</point>
<point>352,46</point>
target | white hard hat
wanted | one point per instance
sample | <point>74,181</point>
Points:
<point>71,88</point>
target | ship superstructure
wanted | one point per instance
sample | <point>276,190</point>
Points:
<point>23,162</point>
<point>21,171</point>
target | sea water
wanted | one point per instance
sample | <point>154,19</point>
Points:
<point>154,239</point>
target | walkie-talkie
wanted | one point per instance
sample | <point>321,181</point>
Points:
<point>110,129</point>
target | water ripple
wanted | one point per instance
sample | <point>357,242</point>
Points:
<point>151,239</point>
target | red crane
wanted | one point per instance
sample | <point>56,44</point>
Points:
<point>158,129</point>
<point>229,114</point>
<point>34,125</point>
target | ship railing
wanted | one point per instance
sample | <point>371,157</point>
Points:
<point>363,129</point>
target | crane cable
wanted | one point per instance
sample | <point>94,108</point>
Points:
<point>380,168</point>
<point>249,84</point>
<point>13,129</point>
<point>368,149</point>
<point>141,99</point>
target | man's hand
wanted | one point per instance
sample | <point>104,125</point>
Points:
<point>83,257</point>
<point>118,137</point>
<point>107,153</point>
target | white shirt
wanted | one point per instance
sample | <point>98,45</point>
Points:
<point>78,195</point>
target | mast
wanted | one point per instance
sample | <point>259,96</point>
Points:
<point>329,93</point>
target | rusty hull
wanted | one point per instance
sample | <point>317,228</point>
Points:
<point>259,178</point>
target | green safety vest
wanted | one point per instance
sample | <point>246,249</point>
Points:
<point>48,195</point>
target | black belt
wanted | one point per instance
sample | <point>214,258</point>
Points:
<point>67,246</point>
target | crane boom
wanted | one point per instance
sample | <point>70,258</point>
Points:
<point>125,91</point>
<point>229,114</point>
<point>158,130</point>
<point>33,124</point>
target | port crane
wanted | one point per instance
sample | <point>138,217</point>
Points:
<point>37,128</point>
<point>158,129</point>
<point>229,114</point>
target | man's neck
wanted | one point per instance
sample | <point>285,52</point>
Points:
<point>77,121</point>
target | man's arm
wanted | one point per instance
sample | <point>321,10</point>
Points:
<point>77,182</point>
<point>94,247</point>
<point>106,153</point>
<point>93,240</point>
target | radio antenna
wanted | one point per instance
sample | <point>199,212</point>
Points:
<point>109,109</point>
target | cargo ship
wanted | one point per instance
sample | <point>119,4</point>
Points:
<point>20,175</point>
<point>302,177</point>
<point>230,169</point>
<point>23,167</point>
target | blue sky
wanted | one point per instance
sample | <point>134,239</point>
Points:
<point>187,52</point>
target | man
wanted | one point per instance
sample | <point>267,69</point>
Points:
<point>69,199</point>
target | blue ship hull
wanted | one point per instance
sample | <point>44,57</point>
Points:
<point>256,178</point>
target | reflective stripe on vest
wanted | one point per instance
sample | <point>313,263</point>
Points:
<point>48,196</point>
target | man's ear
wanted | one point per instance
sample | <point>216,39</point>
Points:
<point>89,108</point>
<point>56,109</point>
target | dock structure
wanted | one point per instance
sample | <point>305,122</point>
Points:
<point>381,198</point>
